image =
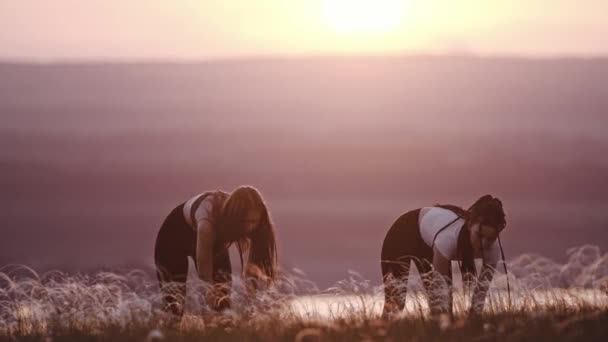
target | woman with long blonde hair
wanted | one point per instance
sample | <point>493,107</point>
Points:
<point>203,228</point>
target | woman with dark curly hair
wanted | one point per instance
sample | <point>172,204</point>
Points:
<point>432,237</point>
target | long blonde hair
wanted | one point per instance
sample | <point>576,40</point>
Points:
<point>260,245</point>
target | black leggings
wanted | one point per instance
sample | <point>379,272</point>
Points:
<point>176,241</point>
<point>402,244</point>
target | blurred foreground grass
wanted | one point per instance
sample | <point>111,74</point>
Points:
<point>549,302</point>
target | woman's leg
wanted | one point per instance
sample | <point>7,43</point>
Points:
<point>394,276</point>
<point>171,259</point>
<point>402,244</point>
<point>172,274</point>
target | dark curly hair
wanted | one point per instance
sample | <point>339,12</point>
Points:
<point>486,210</point>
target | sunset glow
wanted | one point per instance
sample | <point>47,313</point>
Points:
<point>193,29</point>
<point>367,16</point>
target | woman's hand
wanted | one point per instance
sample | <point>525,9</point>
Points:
<point>255,280</point>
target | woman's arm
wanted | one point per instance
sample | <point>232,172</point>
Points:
<point>251,281</point>
<point>440,287</point>
<point>204,250</point>
<point>204,261</point>
<point>481,288</point>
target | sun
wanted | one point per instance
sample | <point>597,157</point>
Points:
<point>363,16</point>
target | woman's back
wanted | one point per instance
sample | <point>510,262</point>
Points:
<point>433,221</point>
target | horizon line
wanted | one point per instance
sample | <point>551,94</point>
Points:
<point>283,57</point>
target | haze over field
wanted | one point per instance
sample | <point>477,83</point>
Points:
<point>93,156</point>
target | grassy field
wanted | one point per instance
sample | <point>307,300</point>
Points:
<point>550,326</point>
<point>548,302</point>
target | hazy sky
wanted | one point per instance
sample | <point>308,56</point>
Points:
<point>132,29</point>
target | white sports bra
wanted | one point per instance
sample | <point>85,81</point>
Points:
<point>433,219</point>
